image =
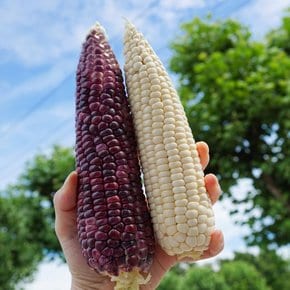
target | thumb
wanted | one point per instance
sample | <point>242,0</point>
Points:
<point>65,201</point>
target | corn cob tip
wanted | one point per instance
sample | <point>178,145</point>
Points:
<point>130,280</point>
<point>97,28</point>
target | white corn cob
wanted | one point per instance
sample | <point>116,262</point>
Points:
<point>181,210</point>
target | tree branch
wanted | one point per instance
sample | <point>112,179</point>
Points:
<point>274,190</point>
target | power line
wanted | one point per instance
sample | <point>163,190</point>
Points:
<point>12,127</point>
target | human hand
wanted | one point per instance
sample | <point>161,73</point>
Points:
<point>83,277</point>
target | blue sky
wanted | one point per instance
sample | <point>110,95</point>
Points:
<point>39,50</point>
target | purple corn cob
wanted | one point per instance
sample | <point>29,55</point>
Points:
<point>114,223</point>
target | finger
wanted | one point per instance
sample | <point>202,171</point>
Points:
<point>65,208</point>
<point>212,186</point>
<point>203,152</point>
<point>216,245</point>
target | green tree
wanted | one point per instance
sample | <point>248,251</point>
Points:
<point>241,275</point>
<point>273,267</point>
<point>203,278</point>
<point>280,37</point>
<point>236,94</point>
<point>23,228</point>
<point>27,216</point>
<point>171,281</point>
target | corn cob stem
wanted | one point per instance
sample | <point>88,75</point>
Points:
<point>174,180</point>
<point>114,225</point>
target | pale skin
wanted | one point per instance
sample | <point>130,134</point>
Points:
<point>83,277</point>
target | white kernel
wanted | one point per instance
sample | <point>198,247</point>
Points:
<point>202,218</point>
<point>156,112</point>
<point>165,187</point>
<point>192,231</point>
<point>177,183</point>
<point>192,222</point>
<point>180,219</point>
<point>180,237</point>
<point>173,158</point>
<point>168,108</point>
<point>171,146</point>
<point>202,209</point>
<point>185,154</point>
<point>161,161</point>
<point>181,202</point>
<point>168,127</point>
<point>161,154</point>
<point>171,229</point>
<point>202,228</point>
<point>157,132</point>
<point>201,240</point>
<point>157,139</point>
<point>176,176</point>
<point>192,205</point>
<point>169,121</point>
<point>172,152</point>
<point>168,213</point>
<point>176,170</point>
<point>155,81</point>
<point>166,197</point>
<point>157,105</point>
<point>183,228</point>
<point>159,209</point>
<point>159,118</point>
<point>189,179</point>
<point>165,179</point>
<point>179,210</point>
<point>186,160</point>
<point>169,221</point>
<point>164,174</point>
<point>169,205</point>
<point>176,164</point>
<point>163,167</point>
<point>179,196</point>
<point>169,114</point>
<point>155,88</point>
<point>191,185</point>
<point>191,214</point>
<point>185,247</point>
<point>168,134</point>
<point>191,241</point>
<point>181,136</point>
<point>173,242</point>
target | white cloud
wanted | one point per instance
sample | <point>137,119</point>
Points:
<point>182,4</point>
<point>262,15</point>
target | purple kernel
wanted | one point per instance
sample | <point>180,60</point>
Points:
<point>105,228</point>
<point>94,106</point>
<point>130,228</point>
<point>100,215</point>
<point>126,213</point>
<point>101,221</point>
<point>113,243</point>
<point>113,142</point>
<point>102,126</point>
<point>103,109</point>
<point>103,153</point>
<point>114,149</point>
<point>107,251</point>
<point>95,174</point>
<point>108,159</point>
<point>121,174</point>
<point>118,252</point>
<point>89,213</point>
<point>107,172</point>
<point>127,237</point>
<point>111,185</point>
<point>109,165</point>
<point>108,179</point>
<point>108,138</point>
<point>90,221</point>
<point>118,119</point>
<point>97,187</point>
<point>124,181</point>
<point>109,102</point>
<point>99,201</point>
<point>122,161</point>
<point>114,212</point>
<point>114,220</point>
<point>100,245</point>
<point>120,155</point>
<point>97,180</point>
<point>106,132</point>
<point>112,112</point>
<point>96,120</point>
<point>98,194</point>
<point>107,118</point>
<point>128,220</point>
<point>100,147</point>
<point>104,96</point>
<point>115,205</point>
<point>114,234</point>
<point>100,207</point>
<point>132,250</point>
<point>132,261</point>
<point>120,227</point>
